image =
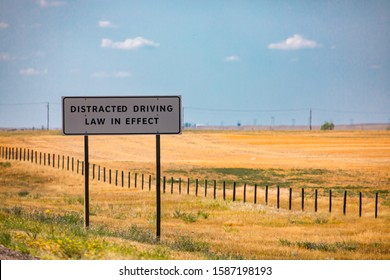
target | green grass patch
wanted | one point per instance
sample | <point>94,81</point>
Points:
<point>187,244</point>
<point>23,193</point>
<point>5,164</point>
<point>189,217</point>
<point>262,177</point>
<point>48,235</point>
<point>321,246</point>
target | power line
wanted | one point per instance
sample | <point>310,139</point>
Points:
<point>349,112</point>
<point>281,110</point>
<point>242,110</point>
<point>22,104</point>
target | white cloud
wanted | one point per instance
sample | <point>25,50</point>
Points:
<point>117,74</point>
<point>296,42</point>
<point>106,24</point>
<point>375,66</point>
<point>100,75</point>
<point>121,74</point>
<point>3,25</point>
<point>4,56</point>
<point>32,72</point>
<point>232,58</point>
<point>129,44</point>
<point>47,4</point>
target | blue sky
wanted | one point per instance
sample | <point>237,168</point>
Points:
<point>253,62</point>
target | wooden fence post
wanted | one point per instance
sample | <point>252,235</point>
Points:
<point>188,185</point>
<point>135,181</point>
<point>128,180</point>
<point>164,184</point>
<point>277,197</point>
<point>104,174</point>
<point>123,179</point>
<point>376,205</point>
<point>315,200</point>
<point>244,192</point>
<point>234,191</point>
<point>196,187</point>
<point>150,182</point>
<point>142,181</point>
<point>48,159</point>
<point>171,185</point>
<point>345,203</point>
<point>330,201</point>
<point>215,189</point>
<point>290,199</point>
<point>109,176</point>
<point>266,194</point>
<point>255,195</point>
<point>116,177</point>
<point>303,200</point>
<point>205,188</point>
<point>179,185</point>
<point>224,190</point>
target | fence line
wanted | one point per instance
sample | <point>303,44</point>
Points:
<point>27,155</point>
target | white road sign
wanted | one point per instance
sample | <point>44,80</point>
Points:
<point>99,115</point>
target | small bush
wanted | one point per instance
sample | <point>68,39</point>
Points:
<point>189,217</point>
<point>140,235</point>
<point>327,126</point>
<point>23,193</point>
<point>184,243</point>
<point>5,239</point>
<point>5,164</point>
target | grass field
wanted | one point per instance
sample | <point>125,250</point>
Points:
<point>42,207</point>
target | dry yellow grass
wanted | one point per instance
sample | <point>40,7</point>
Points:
<point>346,159</point>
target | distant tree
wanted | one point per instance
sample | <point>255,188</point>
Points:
<point>327,126</point>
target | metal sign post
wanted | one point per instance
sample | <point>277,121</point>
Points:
<point>158,188</point>
<point>86,182</point>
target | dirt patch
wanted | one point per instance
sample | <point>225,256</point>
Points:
<point>8,254</point>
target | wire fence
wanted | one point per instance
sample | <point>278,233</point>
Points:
<point>299,199</point>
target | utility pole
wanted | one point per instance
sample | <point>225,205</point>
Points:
<point>310,118</point>
<point>48,118</point>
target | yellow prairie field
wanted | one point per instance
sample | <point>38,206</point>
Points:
<point>352,161</point>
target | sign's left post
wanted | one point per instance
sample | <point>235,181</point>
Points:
<point>86,182</point>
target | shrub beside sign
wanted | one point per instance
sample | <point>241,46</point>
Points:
<point>121,115</point>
